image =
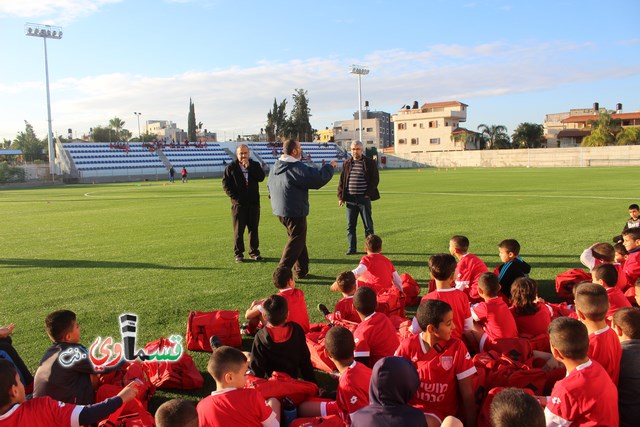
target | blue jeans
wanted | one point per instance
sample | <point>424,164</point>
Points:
<point>358,205</point>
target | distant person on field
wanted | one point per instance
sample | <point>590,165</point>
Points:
<point>632,222</point>
<point>357,188</point>
<point>232,404</point>
<point>586,396</point>
<point>241,183</point>
<point>70,384</point>
<point>512,265</point>
<point>185,177</point>
<point>626,324</point>
<point>172,173</point>
<point>177,413</point>
<point>468,269</point>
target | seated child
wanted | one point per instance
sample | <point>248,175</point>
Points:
<point>514,407</point>
<point>353,386</point>
<point>626,324</point>
<point>631,241</point>
<point>512,265</point>
<point>532,317</point>
<point>444,365</point>
<point>592,305</point>
<point>281,345</point>
<point>632,222</point>
<point>394,382</point>
<point>493,317</point>
<point>586,396</point>
<point>443,270</point>
<point>633,294</point>
<point>232,404</point>
<point>16,410</point>
<point>469,267</point>
<point>344,310</point>
<point>375,336</point>
<point>607,276</point>
<point>283,280</point>
<point>376,270</point>
<point>177,413</point>
<point>621,253</point>
<point>6,347</point>
<point>603,253</point>
<point>70,384</point>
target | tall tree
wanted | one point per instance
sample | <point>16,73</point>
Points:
<point>528,135</point>
<point>282,129</point>
<point>494,136</point>
<point>604,131</point>
<point>32,148</point>
<point>270,127</point>
<point>628,136</point>
<point>191,122</point>
<point>300,127</point>
<point>117,124</point>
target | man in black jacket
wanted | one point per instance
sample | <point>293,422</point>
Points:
<point>358,186</point>
<point>240,182</point>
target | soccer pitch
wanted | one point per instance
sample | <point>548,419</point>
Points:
<point>160,250</point>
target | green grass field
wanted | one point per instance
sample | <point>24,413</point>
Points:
<point>161,250</point>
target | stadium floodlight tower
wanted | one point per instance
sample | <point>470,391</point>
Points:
<point>360,71</point>
<point>46,32</point>
<point>138,114</point>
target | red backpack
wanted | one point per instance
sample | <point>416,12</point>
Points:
<point>328,421</point>
<point>516,349</point>
<point>390,301</point>
<point>410,288</point>
<point>202,325</point>
<point>127,417</point>
<point>117,380</point>
<point>315,342</point>
<point>496,370</point>
<point>567,280</point>
<point>281,385</point>
<point>181,374</point>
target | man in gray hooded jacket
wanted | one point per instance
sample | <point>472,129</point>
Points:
<point>289,184</point>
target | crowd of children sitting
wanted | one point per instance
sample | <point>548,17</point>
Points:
<point>391,370</point>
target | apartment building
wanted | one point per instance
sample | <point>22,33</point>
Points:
<point>377,130</point>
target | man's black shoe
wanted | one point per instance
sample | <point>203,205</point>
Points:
<point>257,258</point>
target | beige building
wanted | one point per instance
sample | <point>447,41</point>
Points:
<point>166,130</point>
<point>377,130</point>
<point>325,135</point>
<point>433,127</point>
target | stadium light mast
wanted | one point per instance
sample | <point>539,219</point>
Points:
<point>360,71</point>
<point>46,32</point>
<point>138,114</point>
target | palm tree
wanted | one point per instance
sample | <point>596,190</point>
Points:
<point>628,136</point>
<point>528,135</point>
<point>116,124</point>
<point>495,136</point>
<point>604,131</point>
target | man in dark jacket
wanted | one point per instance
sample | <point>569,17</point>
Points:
<point>289,184</point>
<point>358,186</point>
<point>240,182</point>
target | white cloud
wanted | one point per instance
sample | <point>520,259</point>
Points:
<point>53,11</point>
<point>236,100</point>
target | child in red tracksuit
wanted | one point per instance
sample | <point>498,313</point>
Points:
<point>344,310</point>
<point>468,269</point>
<point>376,270</point>
<point>607,276</point>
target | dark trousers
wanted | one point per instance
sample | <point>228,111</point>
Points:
<point>295,253</point>
<point>23,371</point>
<point>358,205</point>
<point>245,217</point>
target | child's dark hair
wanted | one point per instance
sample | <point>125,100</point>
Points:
<point>634,233</point>
<point>489,283</point>
<point>620,249</point>
<point>339,343</point>
<point>570,337</point>
<point>431,312</point>
<point>592,301</point>
<point>276,310</point>
<point>634,206</point>
<point>177,413</point>
<point>281,277</point>
<point>442,266</point>
<point>225,359</point>
<point>373,243</point>
<point>603,251</point>
<point>515,407</point>
<point>7,380</point>
<point>510,245</point>
<point>524,292</point>
<point>59,323</point>
<point>607,273</point>
<point>346,281</point>
<point>365,301</point>
<point>460,242</point>
<point>628,319</point>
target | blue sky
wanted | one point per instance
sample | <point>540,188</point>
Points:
<point>510,61</point>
